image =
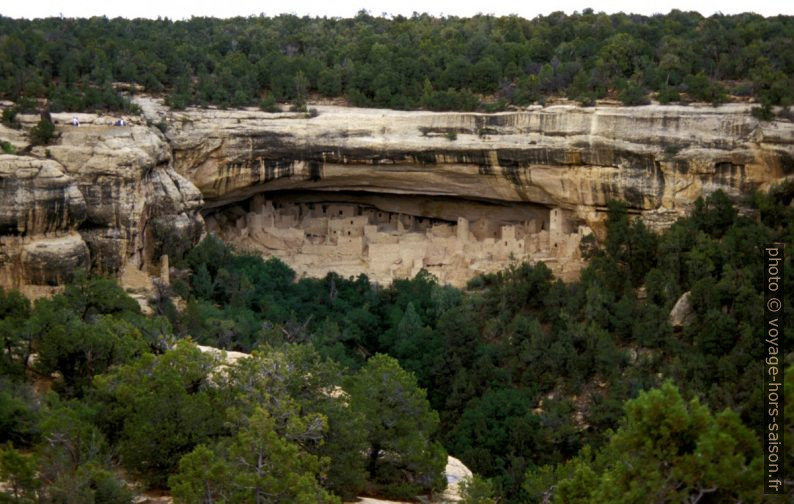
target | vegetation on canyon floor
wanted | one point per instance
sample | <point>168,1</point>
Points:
<point>549,392</point>
<point>445,63</point>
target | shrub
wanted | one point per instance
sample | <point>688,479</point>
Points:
<point>269,104</point>
<point>742,89</point>
<point>9,117</point>
<point>587,100</point>
<point>668,94</point>
<point>8,148</point>
<point>763,113</point>
<point>497,106</point>
<point>43,132</point>
<point>452,135</point>
<point>477,490</point>
<point>632,94</point>
<point>701,88</point>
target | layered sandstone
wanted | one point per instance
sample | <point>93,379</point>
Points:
<point>501,171</point>
<point>90,200</point>
<point>657,159</point>
<point>127,195</point>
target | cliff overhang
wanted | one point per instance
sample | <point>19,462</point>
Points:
<point>125,195</point>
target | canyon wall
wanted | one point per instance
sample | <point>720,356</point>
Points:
<point>658,159</point>
<point>102,198</point>
<point>115,198</point>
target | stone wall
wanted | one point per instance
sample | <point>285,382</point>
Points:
<point>320,236</point>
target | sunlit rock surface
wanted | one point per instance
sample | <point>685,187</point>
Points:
<point>134,193</point>
<point>506,172</point>
<point>89,200</point>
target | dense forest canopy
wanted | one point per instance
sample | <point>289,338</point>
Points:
<point>550,392</point>
<point>447,63</point>
<point>583,392</point>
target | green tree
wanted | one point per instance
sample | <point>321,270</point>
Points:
<point>43,132</point>
<point>486,73</point>
<point>212,253</point>
<point>18,473</point>
<point>158,408</point>
<point>257,465</point>
<point>19,413</point>
<point>9,118</point>
<point>701,88</point>
<point>672,450</point>
<point>497,435</point>
<point>301,89</point>
<point>268,104</point>
<point>181,96</point>
<point>631,92</point>
<point>477,490</point>
<point>15,341</point>
<point>629,242</point>
<point>202,477</point>
<point>714,215</point>
<point>203,286</point>
<point>619,56</point>
<point>292,380</point>
<point>74,458</point>
<point>329,82</point>
<point>80,340</point>
<point>403,458</point>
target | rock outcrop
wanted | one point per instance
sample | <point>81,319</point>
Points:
<point>681,313</point>
<point>130,194</point>
<point>100,197</point>
<point>658,159</point>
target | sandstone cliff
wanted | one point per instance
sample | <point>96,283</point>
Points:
<point>110,197</point>
<point>101,197</point>
<point>658,159</point>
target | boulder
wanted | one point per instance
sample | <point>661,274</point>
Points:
<point>681,314</point>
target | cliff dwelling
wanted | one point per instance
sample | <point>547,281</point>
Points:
<point>395,236</point>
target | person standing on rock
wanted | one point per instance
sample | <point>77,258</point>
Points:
<point>75,121</point>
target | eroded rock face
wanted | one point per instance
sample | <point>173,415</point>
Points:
<point>37,197</point>
<point>681,313</point>
<point>51,261</point>
<point>87,200</point>
<point>657,159</point>
<point>130,194</point>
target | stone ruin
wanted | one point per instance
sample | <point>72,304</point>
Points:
<point>350,238</point>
